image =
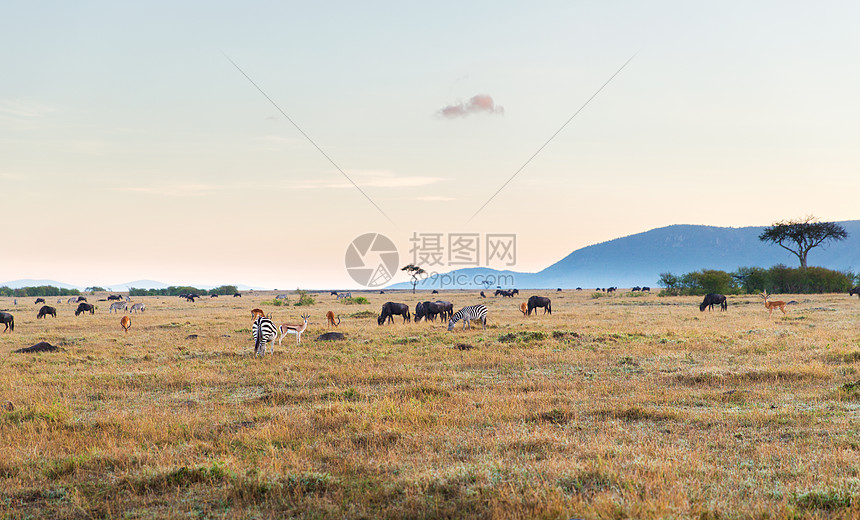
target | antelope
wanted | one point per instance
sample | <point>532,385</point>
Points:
<point>293,328</point>
<point>770,306</point>
<point>524,307</point>
<point>330,317</point>
<point>257,313</point>
<point>125,322</point>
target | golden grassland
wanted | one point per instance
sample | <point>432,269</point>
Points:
<point>626,406</point>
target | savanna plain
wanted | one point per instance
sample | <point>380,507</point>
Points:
<point>623,406</point>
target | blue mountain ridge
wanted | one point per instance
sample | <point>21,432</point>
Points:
<point>640,258</point>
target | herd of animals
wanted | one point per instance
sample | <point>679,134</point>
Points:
<point>265,332</point>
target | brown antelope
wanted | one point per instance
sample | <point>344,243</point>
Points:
<point>257,313</point>
<point>330,317</point>
<point>293,328</point>
<point>125,322</point>
<point>524,307</point>
<point>770,306</point>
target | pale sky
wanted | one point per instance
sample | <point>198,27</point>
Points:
<point>131,148</point>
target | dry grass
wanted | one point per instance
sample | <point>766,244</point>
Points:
<point>613,407</point>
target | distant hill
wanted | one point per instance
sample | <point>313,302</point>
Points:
<point>27,282</point>
<point>639,259</point>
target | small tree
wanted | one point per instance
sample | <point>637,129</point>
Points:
<point>414,271</point>
<point>801,235</point>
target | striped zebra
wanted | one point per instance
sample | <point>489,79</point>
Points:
<point>264,331</point>
<point>341,296</point>
<point>467,314</point>
<point>117,306</point>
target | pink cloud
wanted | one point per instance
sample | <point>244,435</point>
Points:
<point>479,103</point>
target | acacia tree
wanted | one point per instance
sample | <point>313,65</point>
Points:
<point>414,271</point>
<point>801,235</point>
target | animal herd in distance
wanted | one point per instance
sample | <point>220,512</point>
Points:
<point>265,331</point>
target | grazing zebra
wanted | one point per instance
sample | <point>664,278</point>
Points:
<point>117,306</point>
<point>467,314</point>
<point>344,295</point>
<point>137,307</point>
<point>264,331</point>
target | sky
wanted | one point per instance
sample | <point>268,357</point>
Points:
<point>132,146</point>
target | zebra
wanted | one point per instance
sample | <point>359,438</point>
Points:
<point>117,306</point>
<point>137,307</point>
<point>474,312</point>
<point>264,331</point>
<point>344,295</point>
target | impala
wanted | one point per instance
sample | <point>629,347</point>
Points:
<point>330,317</point>
<point>257,313</point>
<point>770,306</point>
<point>125,322</point>
<point>524,308</point>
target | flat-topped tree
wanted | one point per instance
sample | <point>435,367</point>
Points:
<point>414,271</point>
<point>801,235</point>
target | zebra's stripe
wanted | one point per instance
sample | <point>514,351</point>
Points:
<point>264,331</point>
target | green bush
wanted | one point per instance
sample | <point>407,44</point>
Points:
<point>358,300</point>
<point>304,298</point>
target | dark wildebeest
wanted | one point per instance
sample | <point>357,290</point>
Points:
<point>712,299</point>
<point>333,293</point>
<point>447,309</point>
<point>434,292</point>
<point>579,288</point>
<point>419,312</point>
<point>237,295</point>
<point>40,300</point>
<point>539,301</point>
<point>8,320</point>
<point>483,295</point>
<point>558,290</point>
<point>646,289</point>
<point>429,310</point>
<point>389,309</point>
<point>611,289</point>
<point>84,307</point>
<point>114,297</point>
<point>381,292</point>
<point>45,310</point>
<point>81,299</point>
<point>505,293</point>
<point>854,291</point>
<point>636,289</point>
<point>213,295</point>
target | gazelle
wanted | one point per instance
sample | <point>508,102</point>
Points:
<point>770,306</point>
<point>524,307</point>
<point>257,313</point>
<point>292,328</point>
<point>330,317</point>
<point>125,322</point>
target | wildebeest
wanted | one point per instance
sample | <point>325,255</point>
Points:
<point>539,301</point>
<point>114,297</point>
<point>237,295</point>
<point>45,310</point>
<point>646,289</point>
<point>40,300</point>
<point>434,292</point>
<point>636,289</point>
<point>854,291</point>
<point>333,293</point>
<point>506,293</point>
<point>8,320</point>
<point>81,299</point>
<point>579,288</point>
<point>712,299</point>
<point>611,289</point>
<point>483,295</point>
<point>389,309</point>
<point>429,310</point>
<point>447,309</point>
<point>117,306</point>
<point>419,312</point>
<point>191,297</point>
<point>85,307</point>
<point>213,295</point>
<point>137,307</point>
<point>558,290</point>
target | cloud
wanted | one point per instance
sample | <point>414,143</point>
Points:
<point>481,103</point>
<point>16,109</point>
<point>372,179</point>
<point>434,198</point>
